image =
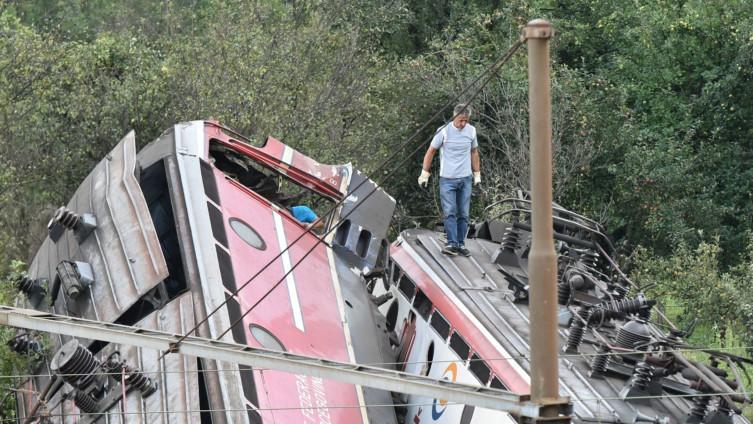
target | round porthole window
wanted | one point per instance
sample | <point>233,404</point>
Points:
<point>248,234</point>
<point>266,339</point>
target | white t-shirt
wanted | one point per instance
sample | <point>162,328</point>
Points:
<point>454,147</point>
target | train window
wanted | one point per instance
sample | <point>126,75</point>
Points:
<point>253,415</point>
<point>362,247</point>
<point>247,234</point>
<point>206,417</point>
<point>422,304</point>
<point>391,317</point>
<point>266,339</point>
<point>243,169</point>
<point>210,184</point>
<point>498,384</point>
<point>395,274</point>
<point>267,181</point>
<point>234,311</point>
<point>341,236</point>
<point>249,391</point>
<point>426,368</point>
<point>406,286</point>
<point>459,346</point>
<point>217,224</point>
<point>479,368</point>
<point>440,324</point>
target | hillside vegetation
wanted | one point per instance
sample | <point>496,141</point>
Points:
<point>652,111</point>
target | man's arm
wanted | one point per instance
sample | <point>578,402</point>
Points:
<point>436,143</point>
<point>428,157</point>
<point>476,166</point>
<point>317,225</point>
<point>423,179</point>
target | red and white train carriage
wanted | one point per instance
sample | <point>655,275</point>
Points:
<point>179,230</point>
<point>193,234</point>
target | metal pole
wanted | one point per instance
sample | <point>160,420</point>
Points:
<point>368,376</point>
<point>542,261</point>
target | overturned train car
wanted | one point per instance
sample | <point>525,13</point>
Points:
<point>466,319</point>
<point>161,238</point>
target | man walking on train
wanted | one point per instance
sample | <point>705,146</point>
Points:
<point>459,166</point>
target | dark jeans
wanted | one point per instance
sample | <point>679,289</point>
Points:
<point>455,194</point>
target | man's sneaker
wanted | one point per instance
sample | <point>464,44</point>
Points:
<point>463,251</point>
<point>450,250</point>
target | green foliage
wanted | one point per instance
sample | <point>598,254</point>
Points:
<point>11,363</point>
<point>691,285</point>
<point>62,106</point>
<point>677,170</point>
<point>651,113</point>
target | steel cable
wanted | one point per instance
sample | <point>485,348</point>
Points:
<point>490,72</point>
<point>626,352</point>
<point>492,69</point>
<point>298,408</point>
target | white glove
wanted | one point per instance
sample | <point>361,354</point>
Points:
<point>477,178</point>
<point>423,180</point>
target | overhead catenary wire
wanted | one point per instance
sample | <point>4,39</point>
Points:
<point>299,408</point>
<point>626,352</point>
<point>198,411</point>
<point>489,71</point>
<point>321,240</point>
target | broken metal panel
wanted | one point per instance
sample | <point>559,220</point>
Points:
<point>329,174</point>
<point>368,209</point>
<point>112,193</point>
<point>123,251</point>
<point>125,240</point>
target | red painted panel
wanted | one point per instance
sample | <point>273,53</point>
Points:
<point>325,179</point>
<point>323,334</point>
<point>502,368</point>
<point>328,173</point>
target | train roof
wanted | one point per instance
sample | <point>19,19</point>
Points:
<point>617,363</point>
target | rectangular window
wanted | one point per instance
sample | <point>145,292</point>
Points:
<point>440,324</point>
<point>422,304</point>
<point>459,346</point>
<point>362,246</point>
<point>498,384</point>
<point>479,368</point>
<point>268,181</point>
<point>206,416</point>
<point>394,272</point>
<point>407,287</point>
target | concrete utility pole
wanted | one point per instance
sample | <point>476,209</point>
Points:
<point>542,261</point>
